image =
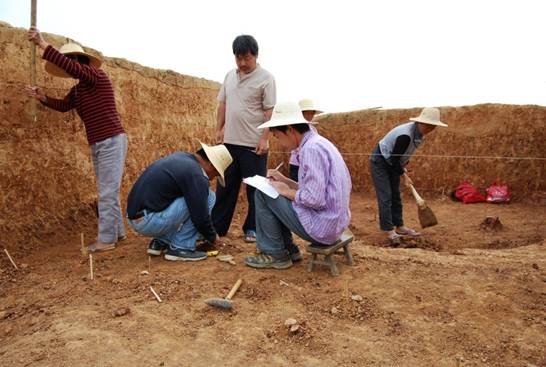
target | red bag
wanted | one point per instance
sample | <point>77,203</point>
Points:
<point>498,193</point>
<point>468,194</point>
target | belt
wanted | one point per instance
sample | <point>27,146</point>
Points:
<point>138,215</point>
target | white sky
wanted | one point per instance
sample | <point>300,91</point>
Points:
<point>347,55</point>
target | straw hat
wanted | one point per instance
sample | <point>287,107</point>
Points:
<point>67,50</point>
<point>429,115</point>
<point>287,113</point>
<point>220,158</point>
<point>308,105</point>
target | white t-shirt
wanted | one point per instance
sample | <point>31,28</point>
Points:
<point>246,96</point>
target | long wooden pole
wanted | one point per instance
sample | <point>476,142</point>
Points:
<point>33,106</point>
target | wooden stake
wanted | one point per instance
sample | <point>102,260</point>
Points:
<point>83,248</point>
<point>33,108</point>
<point>155,294</point>
<point>91,266</point>
<point>10,259</point>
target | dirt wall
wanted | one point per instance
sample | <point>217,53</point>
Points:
<point>474,133</point>
<point>46,173</point>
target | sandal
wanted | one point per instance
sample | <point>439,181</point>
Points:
<point>394,239</point>
<point>408,232</point>
<point>250,236</point>
<point>92,248</point>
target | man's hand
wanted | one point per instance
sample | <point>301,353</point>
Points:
<point>35,92</point>
<point>275,175</point>
<point>220,136</point>
<point>281,187</point>
<point>35,37</point>
<point>263,146</point>
<point>407,180</point>
<point>217,243</point>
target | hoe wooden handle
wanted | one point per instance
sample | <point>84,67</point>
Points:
<point>234,289</point>
<point>418,198</point>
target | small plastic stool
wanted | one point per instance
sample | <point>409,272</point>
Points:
<point>328,251</point>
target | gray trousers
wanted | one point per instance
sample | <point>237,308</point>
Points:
<point>109,160</point>
<point>387,187</point>
<point>276,219</point>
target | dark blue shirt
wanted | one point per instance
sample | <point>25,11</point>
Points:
<point>169,178</point>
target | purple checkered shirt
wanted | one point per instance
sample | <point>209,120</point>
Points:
<point>322,200</point>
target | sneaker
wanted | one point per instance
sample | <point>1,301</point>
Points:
<point>263,261</point>
<point>184,255</point>
<point>156,247</point>
<point>294,256</point>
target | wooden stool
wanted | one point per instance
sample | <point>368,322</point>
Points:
<point>328,251</point>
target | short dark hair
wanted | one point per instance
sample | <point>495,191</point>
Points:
<point>202,154</point>
<point>301,128</point>
<point>244,44</point>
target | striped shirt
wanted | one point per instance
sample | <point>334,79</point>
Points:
<point>322,199</point>
<point>93,98</point>
<point>294,154</point>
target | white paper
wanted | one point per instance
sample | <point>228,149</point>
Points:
<point>262,184</point>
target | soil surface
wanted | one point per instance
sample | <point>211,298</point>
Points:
<point>463,294</point>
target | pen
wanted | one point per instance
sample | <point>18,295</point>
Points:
<point>276,169</point>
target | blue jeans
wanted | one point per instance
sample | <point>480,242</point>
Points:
<point>276,219</point>
<point>173,225</point>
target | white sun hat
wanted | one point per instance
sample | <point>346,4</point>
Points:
<point>70,49</point>
<point>309,105</point>
<point>429,115</point>
<point>220,158</point>
<point>286,113</point>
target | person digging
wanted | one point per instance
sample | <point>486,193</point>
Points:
<point>388,163</point>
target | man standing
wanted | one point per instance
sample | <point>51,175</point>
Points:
<point>246,100</point>
<point>171,202</point>
<point>93,99</point>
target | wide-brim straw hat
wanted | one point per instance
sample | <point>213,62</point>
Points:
<point>286,113</point>
<point>220,158</point>
<point>429,115</point>
<point>70,49</point>
<point>309,105</point>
